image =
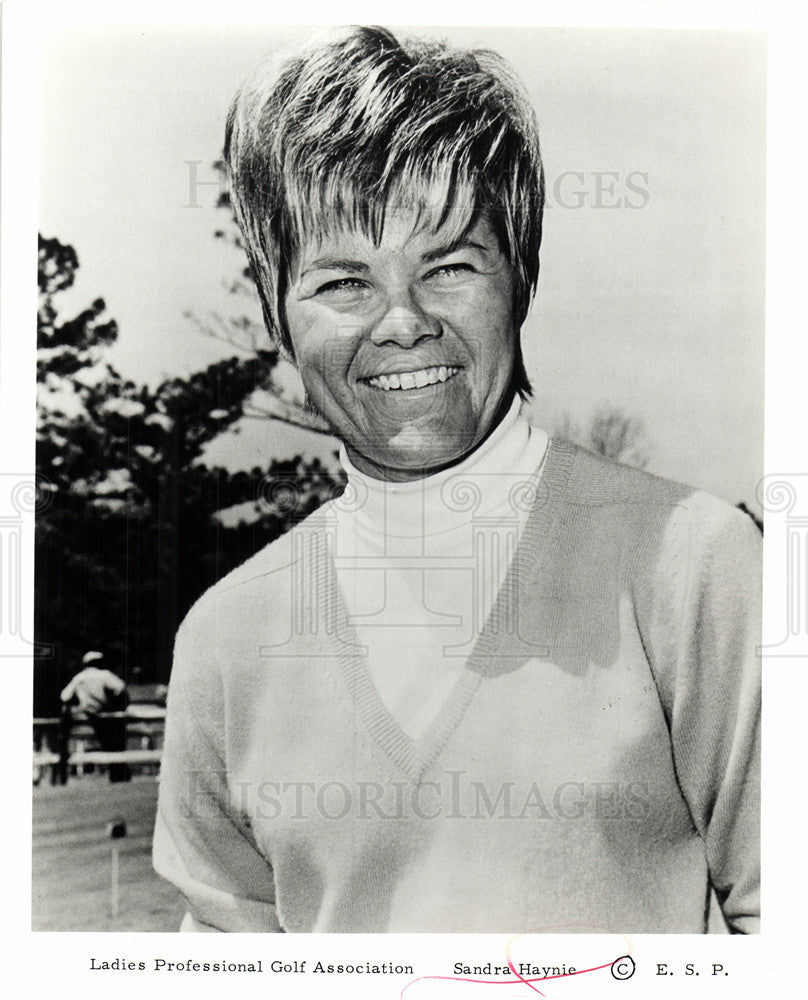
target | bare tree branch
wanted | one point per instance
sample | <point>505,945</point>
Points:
<point>242,334</point>
<point>287,413</point>
<point>611,433</point>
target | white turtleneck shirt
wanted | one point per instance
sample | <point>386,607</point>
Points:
<point>419,564</point>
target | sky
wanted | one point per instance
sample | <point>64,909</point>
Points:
<point>651,294</point>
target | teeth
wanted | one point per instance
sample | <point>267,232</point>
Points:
<point>413,380</point>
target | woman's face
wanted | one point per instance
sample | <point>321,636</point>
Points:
<point>406,348</point>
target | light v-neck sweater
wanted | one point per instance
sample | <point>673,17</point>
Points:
<point>593,768</point>
<point>419,564</point>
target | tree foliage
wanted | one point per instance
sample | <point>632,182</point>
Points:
<point>245,332</point>
<point>137,527</point>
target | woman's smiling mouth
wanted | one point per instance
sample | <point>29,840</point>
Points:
<point>412,380</point>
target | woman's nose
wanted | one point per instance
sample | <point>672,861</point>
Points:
<point>404,323</point>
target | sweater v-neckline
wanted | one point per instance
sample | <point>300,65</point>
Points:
<point>415,755</point>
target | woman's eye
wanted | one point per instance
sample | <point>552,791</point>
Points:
<point>449,272</point>
<point>342,288</point>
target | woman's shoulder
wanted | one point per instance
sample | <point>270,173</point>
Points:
<point>590,480</point>
<point>600,497</point>
<point>587,478</point>
<point>268,575</point>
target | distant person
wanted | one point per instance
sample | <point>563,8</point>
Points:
<point>94,691</point>
<point>502,684</point>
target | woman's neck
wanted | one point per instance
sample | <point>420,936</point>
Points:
<point>480,484</point>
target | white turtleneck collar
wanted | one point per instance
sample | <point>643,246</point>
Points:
<point>487,482</point>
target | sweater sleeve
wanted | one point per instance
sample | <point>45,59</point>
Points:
<point>709,681</point>
<point>202,843</point>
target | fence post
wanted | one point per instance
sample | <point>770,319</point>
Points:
<point>63,742</point>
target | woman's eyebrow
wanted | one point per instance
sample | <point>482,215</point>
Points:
<point>463,243</point>
<point>337,264</point>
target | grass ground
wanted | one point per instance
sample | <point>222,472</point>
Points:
<point>72,858</point>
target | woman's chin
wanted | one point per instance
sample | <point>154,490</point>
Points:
<point>407,460</point>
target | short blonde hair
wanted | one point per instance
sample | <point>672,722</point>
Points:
<point>364,122</point>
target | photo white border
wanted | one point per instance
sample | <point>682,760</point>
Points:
<point>766,965</point>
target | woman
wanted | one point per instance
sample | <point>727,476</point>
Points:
<point>501,684</point>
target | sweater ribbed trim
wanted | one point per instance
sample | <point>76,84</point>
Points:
<point>415,756</point>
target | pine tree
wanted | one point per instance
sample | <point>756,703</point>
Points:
<point>138,527</point>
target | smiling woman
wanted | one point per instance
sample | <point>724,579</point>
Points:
<point>407,347</point>
<point>500,684</point>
